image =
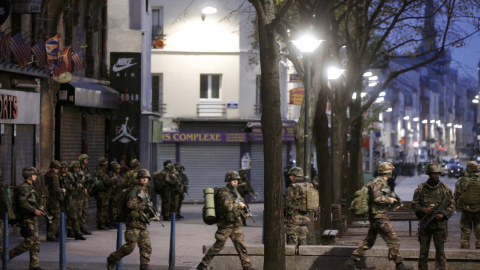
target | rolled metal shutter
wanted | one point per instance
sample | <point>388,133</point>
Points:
<point>6,150</point>
<point>206,165</point>
<point>257,170</point>
<point>24,149</point>
<point>95,140</point>
<point>165,151</point>
<point>70,134</point>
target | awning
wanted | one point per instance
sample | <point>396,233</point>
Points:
<point>89,94</point>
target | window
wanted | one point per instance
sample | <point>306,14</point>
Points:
<point>209,86</point>
<point>157,93</point>
<point>258,97</point>
<point>157,24</point>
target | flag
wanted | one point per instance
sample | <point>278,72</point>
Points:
<point>19,49</point>
<point>51,47</point>
<point>59,67</point>
<point>4,41</point>
<point>66,55</point>
<point>78,59</point>
<point>40,53</point>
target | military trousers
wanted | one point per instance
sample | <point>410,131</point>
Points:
<point>82,208</point>
<point>73,215</point>
<point>54,209</point>
<point>382,227</point>
<point>225,231</point>
<point>30,243</point>
<point>181,197</point>
<point>102,210</point>
<point>297,229</point>
<point>469,220</point>
<point>439,238</point>
<point>134,236</point>
<point>169,202</point>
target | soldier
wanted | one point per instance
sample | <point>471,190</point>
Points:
<point>467,200</point>
<point>27,201</point>
<point>103,192</point>
<point>75,192</point>
<point>114,173</point>
<point>55,198</point>
<point>62,174</point>
<point>380,200</point>
<point>229,223</point>
<point>132,174</point>
<point>82,200</point>
<point>136,226</point>
<point>427,198</point>
<point>170,185</point>
<point>296,221</point>
<point>244,186</point>
<point>183,188</point>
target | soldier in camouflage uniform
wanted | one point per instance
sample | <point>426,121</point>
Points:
<point>380,200</point>
<point>183,188</point>
<point>62,174</point>
<point>114,173</point>
<point>27,201</point>
<point>467,199</point>
<point>296,221</point>
<point>103,192</point>
<point>75,191</point>
<point>230,210</point>
<point>170,188</point>
<point>427,197</point>
<point>136,232</point>
<point>55,198</point>
<point>132,174</point>
<point>82,200</point>
<point>244,186</point>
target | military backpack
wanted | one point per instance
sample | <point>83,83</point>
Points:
<point>10,197</point>
<point>210,211</point>
<point>359,205</point>
<point>158,181</point>
<point>471,192</point>
<point>308,197</point>
<point>119,205</point>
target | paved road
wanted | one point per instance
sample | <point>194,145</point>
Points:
<point>192,234</point>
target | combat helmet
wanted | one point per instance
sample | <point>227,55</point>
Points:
<point>114,165</point>
<point>74,164</point>
<point>55,164</point>
<point>103,161</point>
<point>63,164</point>
<point>297,171</point>
<point>385,167</point>
<point>472,167</point>
<point>242,172</point>
<point>82,157</point>
<point>29,171</point>
<point>166,162</point>
<point>231,175</point>
<point>134,163</point>
<point>433,168</point>
<point>143,173</point>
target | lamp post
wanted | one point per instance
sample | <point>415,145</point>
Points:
<point>307,45</point>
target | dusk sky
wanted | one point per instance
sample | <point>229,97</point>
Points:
<point>467,57</point>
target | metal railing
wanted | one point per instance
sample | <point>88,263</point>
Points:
<point>211,110</point>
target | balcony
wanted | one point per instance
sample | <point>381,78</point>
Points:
<point>211,110</point>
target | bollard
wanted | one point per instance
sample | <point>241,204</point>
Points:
<point>171,257</point>
<point>63,255</point>
<point>119,242</point>
<point>5,257</point>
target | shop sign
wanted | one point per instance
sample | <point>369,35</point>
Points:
<point>208,137</point>
<point>294,78</point>
<point>18,107</point>
<point>287,134</point>
<point>296,96</point>
<point>27,6</point>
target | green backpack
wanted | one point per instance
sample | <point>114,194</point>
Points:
<point>359,205</point>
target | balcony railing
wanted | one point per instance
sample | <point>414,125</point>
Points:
<point>211,110</point>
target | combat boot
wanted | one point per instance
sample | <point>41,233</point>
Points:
<point>111,265</point>
<point>101,226</point>
<point>70,233</point>
<point>202,266</point>
<point>51,239</point>
<point>402,266</point>
<point>80,237</point>
<point>350,264</point>
<point>85,232</point>
<point>36,268</point>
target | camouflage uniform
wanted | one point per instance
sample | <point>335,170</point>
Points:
<point>169,191</point>
<point>228,224</point>
<point>184,188</point>
<point>467,199</point>
<point>118,181</point>
<point>244,186</point>
<point>55,197</point>
<point>136,228</point>
<point>27,201</point>
<point>82,199</point>
<point>103,194</point>
<point>430,195</point>
<point>75,193</point>
<point>296,220</point>
<point>379,202</point>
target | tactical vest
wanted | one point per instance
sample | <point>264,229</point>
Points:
<point>432,197</point>
<point>471,191</point>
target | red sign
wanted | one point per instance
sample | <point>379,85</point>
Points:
<point>8,107</point>
<point>296,96</point>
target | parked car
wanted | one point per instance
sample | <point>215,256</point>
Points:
<point>446,168</point>
<point>455,171</point>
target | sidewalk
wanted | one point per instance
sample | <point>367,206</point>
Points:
<point>192,234</point>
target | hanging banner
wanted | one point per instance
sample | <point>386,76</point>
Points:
<point>296,96</point>
<point>124,135</point>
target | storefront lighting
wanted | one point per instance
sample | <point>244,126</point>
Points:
<point>475,101</point>
<point>424,121</point>
<point>389,109</point>
<point>432,121</point>
<point>373,78</point>
<point>368,74</point>
<point>379,100</point>
<point>406,117</point>
<point>415,119</point>
<point>449,124</point>
<point>382,94</point>
<point>438,122</point>
<point>372,84</point>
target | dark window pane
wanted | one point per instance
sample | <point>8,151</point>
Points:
<point>203,86</point>
<point>215,86</point>
<point>155,93</point>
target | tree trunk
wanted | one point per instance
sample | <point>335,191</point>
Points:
<point>47,124</point>
<point>355,172</point>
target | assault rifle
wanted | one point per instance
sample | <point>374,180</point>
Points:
<point>399,202</point>
<point>47,215</point>
<point>247,209</point>
<point>150,208</point>
<point>439,210</point>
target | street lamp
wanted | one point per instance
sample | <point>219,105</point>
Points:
<point>307,44</point>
